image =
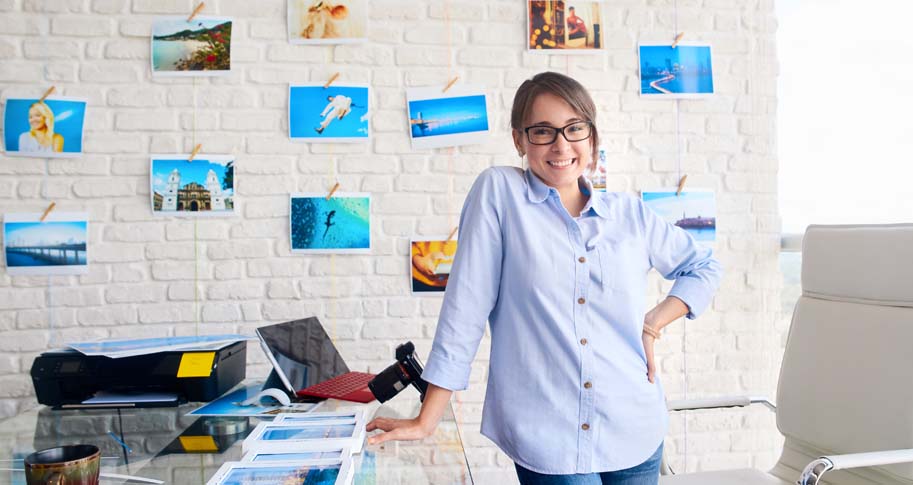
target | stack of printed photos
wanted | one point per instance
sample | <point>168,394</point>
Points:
<point>299,448</point>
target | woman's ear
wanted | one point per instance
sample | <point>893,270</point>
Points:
<point>518,138</point>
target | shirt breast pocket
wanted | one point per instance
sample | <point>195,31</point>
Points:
<point>624,265</point>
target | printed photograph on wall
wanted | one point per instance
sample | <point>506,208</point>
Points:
<point>693,210</point>
<point>337,114</point>
<point>202,187</point>
<point>57,246</point>
<point>339,225</point>
<point>598,178</point>
<point>327,22</point>
<point>685,71</point>
<point>430,263</point>
<point>52,128</point>
<point>564,26</point>
<point>457,117</point>
<point>201,47</point>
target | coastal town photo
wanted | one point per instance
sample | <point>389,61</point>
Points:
<point>201,47</point>
<point>694,211</point>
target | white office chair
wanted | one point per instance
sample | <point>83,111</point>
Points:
<point>845,396</point>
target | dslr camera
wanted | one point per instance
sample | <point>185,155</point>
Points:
<point>406,370</point>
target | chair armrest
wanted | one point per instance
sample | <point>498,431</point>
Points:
<point>719,402</point>
<point>814,470</point>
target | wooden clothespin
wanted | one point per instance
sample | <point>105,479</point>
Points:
<point>332,78</point>
<point>196,150</point>
<point>47,211</point>
<point>681,185</point>
<point>678,38</point>
<point>450,84</point>
<point>47,93</point>
<point>333,191</point>
<point>196,11</point>
<point>452,233</point>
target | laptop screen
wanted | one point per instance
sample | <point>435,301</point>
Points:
<point>301,353</point>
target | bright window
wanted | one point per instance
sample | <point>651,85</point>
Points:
<point>845,112</point>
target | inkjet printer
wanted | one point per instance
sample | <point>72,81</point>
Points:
<point>66,379</point>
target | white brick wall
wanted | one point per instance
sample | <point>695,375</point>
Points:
<point>142,281</point>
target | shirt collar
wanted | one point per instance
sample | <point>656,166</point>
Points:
<point>598,204</point>
<point>537,192</point>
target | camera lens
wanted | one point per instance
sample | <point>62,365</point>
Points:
<point>389,382</point>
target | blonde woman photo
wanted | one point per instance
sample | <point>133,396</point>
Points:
<point>40,137</point>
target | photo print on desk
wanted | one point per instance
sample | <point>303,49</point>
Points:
<point>692,210</point>
<point>267,456</point>
<point>203,187</point>
<point>567,27</point>
<point>57,246</point>
<point>430,263</point>
<point>52,128</point>
<point>685,71</point>
<point>335,114</point>
<point>339,225</point>
<point>327,22</point>
<point>309,432</point>
<point>311,472</point>
<point>437,119</point>
<point>201,47</point>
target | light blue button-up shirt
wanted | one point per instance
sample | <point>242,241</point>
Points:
<point>565,299</point>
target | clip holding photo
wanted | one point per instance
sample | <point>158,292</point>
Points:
<point>196,11</point>
<point>333,191</point>
<point>678,38</point>
<point>681,185</point>
<point>47,211</point>
<point>194,153</point>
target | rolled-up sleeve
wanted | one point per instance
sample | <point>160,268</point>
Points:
<point>677,256</point>
<point>472,288</point>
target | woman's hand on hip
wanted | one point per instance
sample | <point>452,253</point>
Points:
<point>651,359</point>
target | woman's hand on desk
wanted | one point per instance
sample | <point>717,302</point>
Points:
<point>436,401</point>
<point>398,429</point>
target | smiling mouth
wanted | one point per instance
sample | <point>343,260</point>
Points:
<point>561,163</point>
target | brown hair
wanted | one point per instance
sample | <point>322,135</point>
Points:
<point>566,88</point>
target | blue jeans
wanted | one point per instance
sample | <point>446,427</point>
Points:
<point>647,473</point>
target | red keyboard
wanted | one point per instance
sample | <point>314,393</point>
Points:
<point>351,386</point>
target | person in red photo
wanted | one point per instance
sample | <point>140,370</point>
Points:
<point>575,25</point>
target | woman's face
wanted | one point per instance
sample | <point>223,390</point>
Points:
<point>560,163</point>
<point>36,119</point>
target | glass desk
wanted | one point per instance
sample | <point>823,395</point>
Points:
<point>164,444</point>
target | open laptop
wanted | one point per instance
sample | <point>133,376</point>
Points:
<point>308,364</point>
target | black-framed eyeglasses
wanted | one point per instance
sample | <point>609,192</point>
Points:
<point>546,135</point>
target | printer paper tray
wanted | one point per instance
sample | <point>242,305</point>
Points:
<point>104,399</point>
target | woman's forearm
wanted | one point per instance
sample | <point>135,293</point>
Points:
<point>666,312</point>
<point>436,399</point>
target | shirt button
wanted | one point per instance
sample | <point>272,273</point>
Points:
<point>581,259</point>
<point>587,385</point>
<point>581,300</point>
<point>583,341</point>
<point>584,426</point>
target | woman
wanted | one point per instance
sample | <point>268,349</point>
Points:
<point>559,271</point>
<point>41,136</point>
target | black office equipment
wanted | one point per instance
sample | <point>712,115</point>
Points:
<point>67,379</point>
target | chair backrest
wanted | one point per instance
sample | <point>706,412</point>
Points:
<point>846,382</point>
